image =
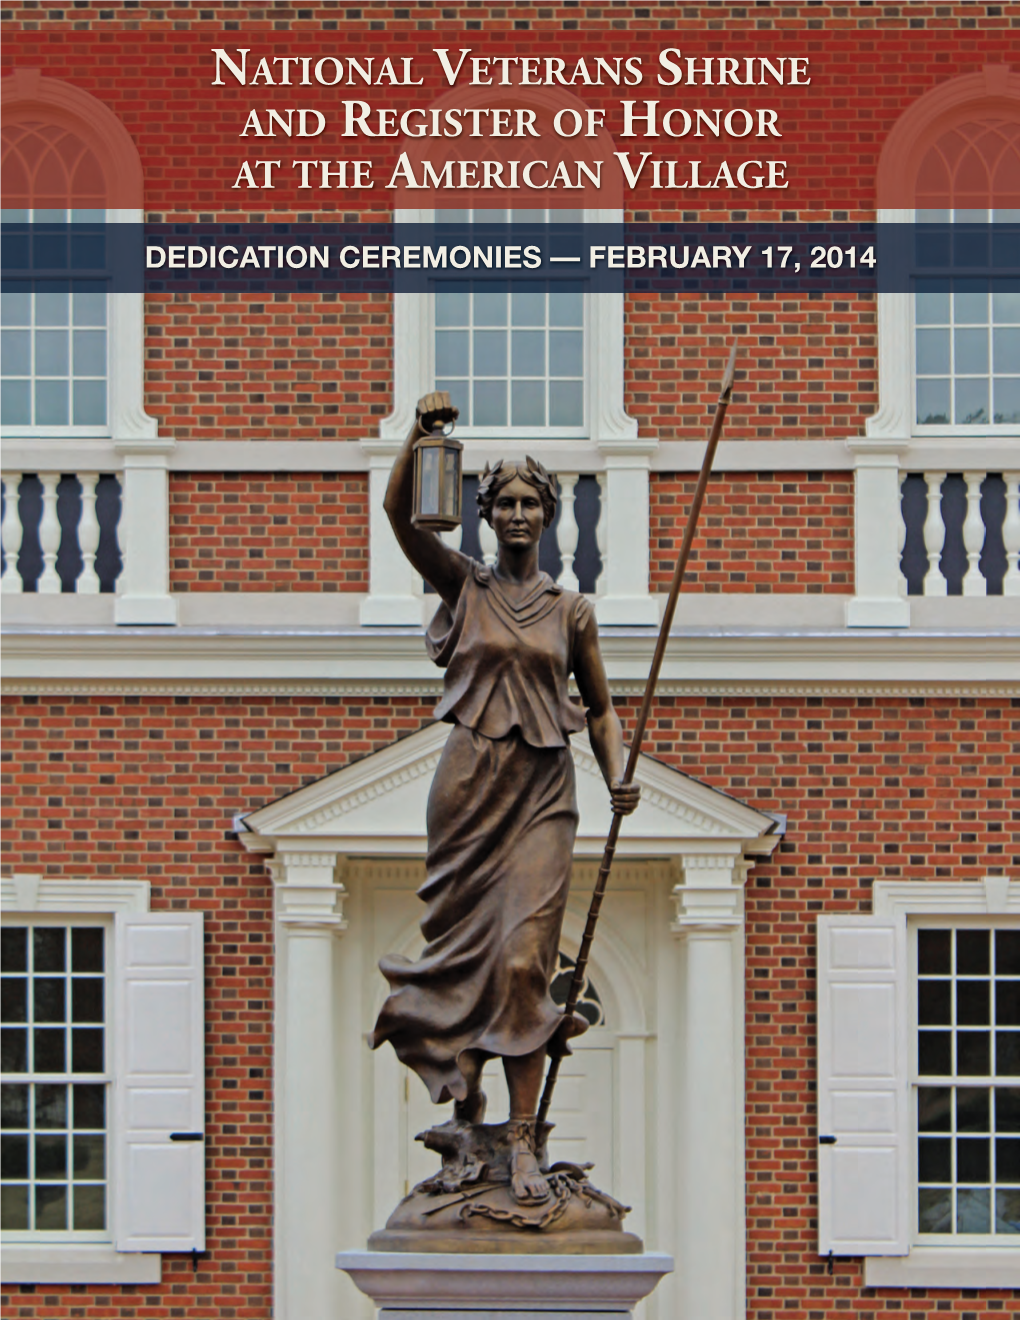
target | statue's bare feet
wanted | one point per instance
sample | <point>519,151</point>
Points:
<point>528,1186</point>
<point>472,1108</point>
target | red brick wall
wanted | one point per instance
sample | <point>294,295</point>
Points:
<point>262,531</point>
<point>806,370</point>
<point>145,789</point>
<point>890,788</point>
<point>758,531</point>
<point>295,367</point>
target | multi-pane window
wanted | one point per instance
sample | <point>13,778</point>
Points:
<point>53,1138</point>
<point>512,352</point>
<point>967,340</point>
<point>968,1094</point>
<point>53,356</point>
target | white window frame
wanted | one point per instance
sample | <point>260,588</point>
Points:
<point>606,421</point>
<point>510,431</point>
<point>942,1264</point>
<point>72,431</point>
<point>126,419</point>
<point>72,1236</point>
<point>73,1257</point>
<point>957,430</point>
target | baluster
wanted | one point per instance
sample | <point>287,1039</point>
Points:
<point>49,534</point>
<point>453,537</point>
<point>901,541</point>
<point>973,535</point>
<point>600,534</point>
<point>934,535</point>
<point>1011,535</point>
<point>488,542</point>
<point>11,532</point>
<point>119,540</point>
<point>88,535</point>
<point>566,531</point>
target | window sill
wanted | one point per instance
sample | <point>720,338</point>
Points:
<point>945,1267</point>
<point>92,1262</point>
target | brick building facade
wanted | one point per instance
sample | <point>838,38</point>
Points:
<point>234,719</point>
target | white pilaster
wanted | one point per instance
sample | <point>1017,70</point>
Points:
<point>709,919</point>
<point>394,595</point>
<point>625,597</point>
<point>877,602</point>
<point>308,916</point>
<point>144,534</point>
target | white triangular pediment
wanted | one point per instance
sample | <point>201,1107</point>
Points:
<point>377,806</point>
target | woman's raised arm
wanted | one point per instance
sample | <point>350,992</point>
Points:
<point>443,568</point>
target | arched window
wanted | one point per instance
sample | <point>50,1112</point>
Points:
<point>72,353</point>
<point>953,157</point>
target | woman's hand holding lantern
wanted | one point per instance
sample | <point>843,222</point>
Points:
<point>434,410</point>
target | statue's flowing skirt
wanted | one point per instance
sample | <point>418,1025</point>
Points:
<point>502,817</point>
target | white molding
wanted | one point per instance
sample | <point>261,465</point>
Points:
<point>992,895</point>
<point>376,807</point>
<point>399,1281</point>
<point>390,660</point>
<point>934,1267</point>
<point>423,688</point>
<point>34,893</point>
<point>739,613</point>
<point>953,452</point>
<point>92,1262</point>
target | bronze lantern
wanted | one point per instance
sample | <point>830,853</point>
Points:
<point>437,481</point>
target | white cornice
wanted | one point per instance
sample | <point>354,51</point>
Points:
<point>392,661</point>
<point>378,805</point>
<point>35,893</point>
<point>953,452</point>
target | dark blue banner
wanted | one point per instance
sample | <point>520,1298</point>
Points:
<point>350,260</point>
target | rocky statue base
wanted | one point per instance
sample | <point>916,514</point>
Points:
<point>469,1206</point>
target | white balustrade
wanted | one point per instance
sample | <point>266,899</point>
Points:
<point>972,537</point>
<point>50,534</point>
<point>1011,535</point>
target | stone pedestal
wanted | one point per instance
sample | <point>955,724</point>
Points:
<point>420,1286</point>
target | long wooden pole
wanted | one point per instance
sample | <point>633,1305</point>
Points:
<point>580,967</point>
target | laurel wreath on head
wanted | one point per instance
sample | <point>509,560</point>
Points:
<point>500,473</point>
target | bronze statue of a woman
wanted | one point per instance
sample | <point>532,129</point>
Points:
<point>502,811</point>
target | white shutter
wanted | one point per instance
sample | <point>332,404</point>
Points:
<point>159,1092</point>
<point>863,1092</point>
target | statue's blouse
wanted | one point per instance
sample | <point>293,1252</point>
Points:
<point>507,662</point>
